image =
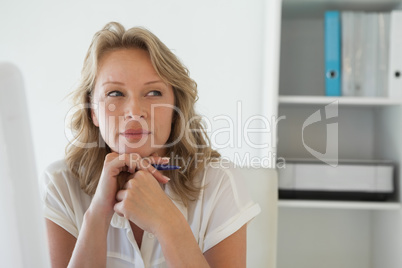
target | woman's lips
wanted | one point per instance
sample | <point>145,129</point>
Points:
<point>135,134</point>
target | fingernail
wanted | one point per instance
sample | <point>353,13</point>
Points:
<point>165,159</point>
<point>168,179</point>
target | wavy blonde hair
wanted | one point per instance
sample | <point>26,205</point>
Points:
<point>87,163</point>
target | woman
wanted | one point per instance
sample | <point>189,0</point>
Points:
<point>106,205</point>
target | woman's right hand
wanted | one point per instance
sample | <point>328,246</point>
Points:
<point>105,195</point>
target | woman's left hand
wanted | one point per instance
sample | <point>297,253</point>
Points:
<point>143,202</point>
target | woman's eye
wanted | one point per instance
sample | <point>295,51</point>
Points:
<point>115,93</point>
<point>154,93</point>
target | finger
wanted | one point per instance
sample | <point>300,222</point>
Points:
<point>145,164</point>
<point>119,209</point>
<point>157,159</point>
<point>121,194</point>
<point>114,164</point>
<point>121,215</point>
<point>130,161</point>
<point>124,169</point>
<point>133,160</point>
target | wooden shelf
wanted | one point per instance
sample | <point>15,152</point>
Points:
<point>345,101</point>
<point>339,205</point>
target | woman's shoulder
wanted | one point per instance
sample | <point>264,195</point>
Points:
<point>64,202</point>
<point>57,166</point>
<point>222,173</point>
<point>222,169</point>
<point>58,174</point>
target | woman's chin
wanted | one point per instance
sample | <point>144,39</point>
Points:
<point>143,152</point>
<point>139,151</point>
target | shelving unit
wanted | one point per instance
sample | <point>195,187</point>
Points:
<point>343,101</point>
<point>334,233</point>
<point>339,204</point>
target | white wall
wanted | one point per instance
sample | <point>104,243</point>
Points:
<point>220,41</point>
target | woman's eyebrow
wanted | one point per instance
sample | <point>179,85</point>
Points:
<point>122,84</point>
<point>113,82</point>
<point>154,82</point>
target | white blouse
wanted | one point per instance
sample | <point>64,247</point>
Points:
<point>223,206</point>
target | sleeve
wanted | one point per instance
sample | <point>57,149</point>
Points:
<point>228,206</point>
<point>57,202</point>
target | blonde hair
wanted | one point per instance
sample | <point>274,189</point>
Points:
<point>87,163</point>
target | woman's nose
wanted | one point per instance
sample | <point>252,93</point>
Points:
<point>134,109</point>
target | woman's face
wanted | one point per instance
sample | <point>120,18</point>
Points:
<point>133,107</point>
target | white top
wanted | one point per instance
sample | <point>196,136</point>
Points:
<point>222,208</point>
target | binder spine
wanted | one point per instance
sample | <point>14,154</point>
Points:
<point>348,49</point>
<point>332,53</point>
<point>395,56</point>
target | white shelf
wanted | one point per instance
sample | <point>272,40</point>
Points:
<point>342,2</point>
<point>311,8</point>
<point>339,205</point>
<point>346,101</point>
